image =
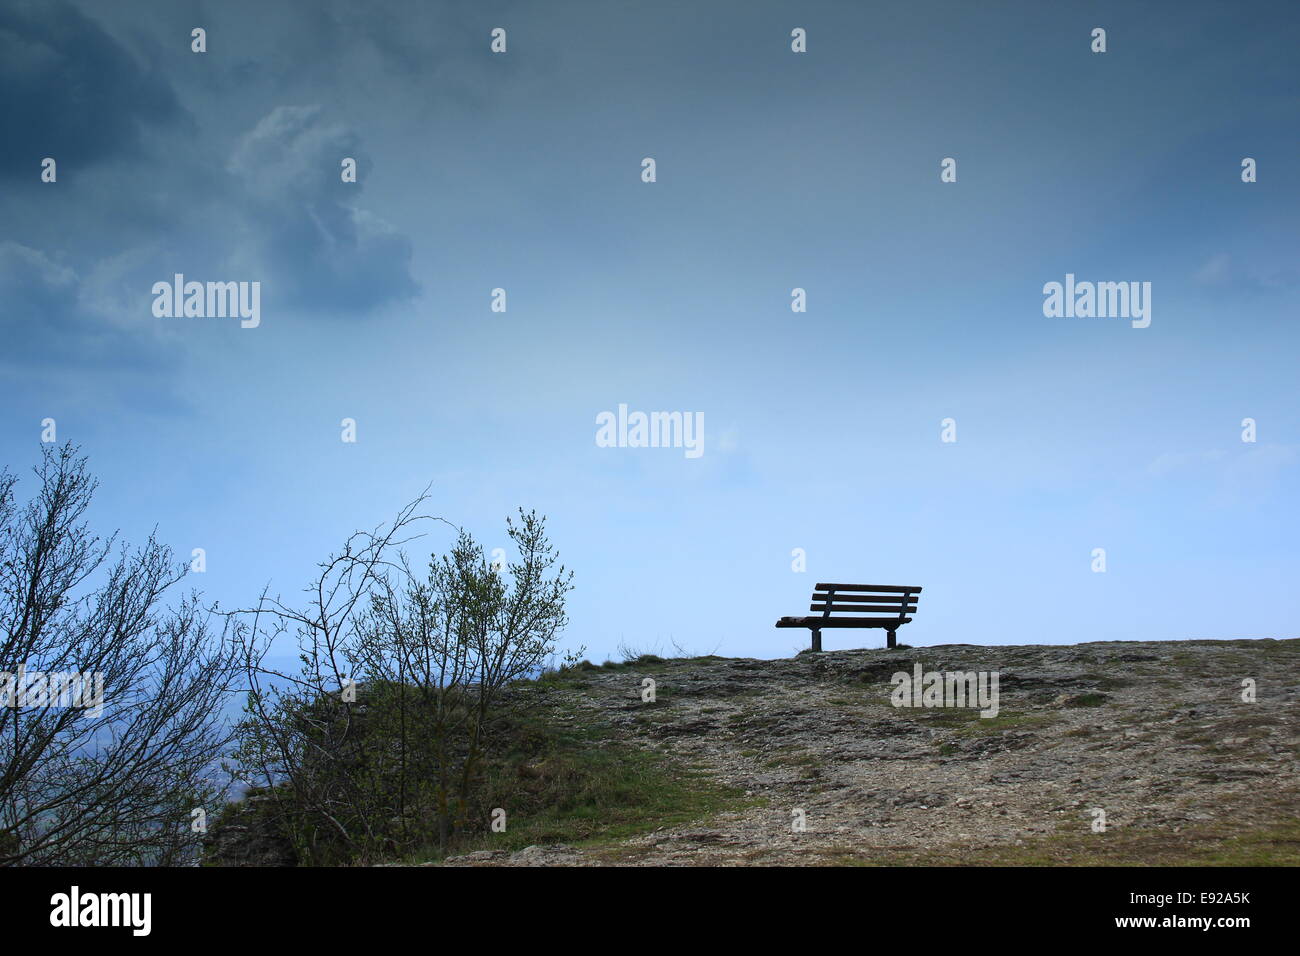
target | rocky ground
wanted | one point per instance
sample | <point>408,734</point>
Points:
<point>1156,735</point>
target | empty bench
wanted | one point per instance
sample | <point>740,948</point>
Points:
<point>857,605</point>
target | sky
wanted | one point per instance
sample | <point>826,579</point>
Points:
<point>775,170</point>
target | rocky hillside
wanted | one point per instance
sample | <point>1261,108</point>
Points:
<point>1156,735</point>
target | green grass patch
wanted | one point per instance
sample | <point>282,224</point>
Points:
<point>966,721</point>
<point>801,759</point>
<point>1107,681</point>
<point>1221,844</point>
<point>557,788</point>
<point>1087,700</point>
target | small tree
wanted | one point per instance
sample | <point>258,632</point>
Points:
<point>458,638</point>
<point>114,778</point>
<point>430,657</point>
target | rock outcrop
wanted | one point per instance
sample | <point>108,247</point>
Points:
<point>1162,738</point>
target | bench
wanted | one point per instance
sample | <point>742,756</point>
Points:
<point>847,601</point>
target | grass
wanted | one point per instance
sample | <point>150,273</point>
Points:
<point>578,674</point>
<point>1261,832</point>
<point>1211,845</point>
<point>967,722</point>
<point>1087,700</point>
<point>802,759</point>
<point>1106,681</point>
<point>556,787</point>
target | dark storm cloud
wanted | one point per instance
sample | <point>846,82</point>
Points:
<point>388,56</point>
<point>319,252</point>
<point>166,166</point>
<point>71,91</point>
<point>46,322</point>
<point>32,278</point>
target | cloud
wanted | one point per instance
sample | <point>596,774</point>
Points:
<point>70,91</point>
<point>1261,467</point>
<point>1170,462</point>
<point>1222,273</point>
<point>319,251</point>
<point>1252,472</point>
<point>32,277</point>
<point>79,295</point>
<point>47,322</point>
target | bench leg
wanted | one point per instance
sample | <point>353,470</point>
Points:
<point>816,638</point>
<point>891,643</point>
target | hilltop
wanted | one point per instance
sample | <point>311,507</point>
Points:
<point>1156,734</point>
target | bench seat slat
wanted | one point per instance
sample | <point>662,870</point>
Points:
<point>862,608</point>
<point>883,588</point>
<point>863,598</point>
<point>889,623</point>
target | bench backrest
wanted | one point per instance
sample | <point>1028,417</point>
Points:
<point>875,602</point>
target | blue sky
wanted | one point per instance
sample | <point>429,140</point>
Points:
<point>775,170</point>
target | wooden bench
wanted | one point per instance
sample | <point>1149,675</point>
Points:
<point>857,599</point>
